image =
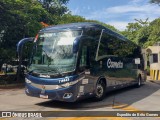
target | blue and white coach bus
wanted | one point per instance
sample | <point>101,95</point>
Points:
<point>74,61</point>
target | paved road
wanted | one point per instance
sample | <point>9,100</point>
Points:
<point>145,98</point>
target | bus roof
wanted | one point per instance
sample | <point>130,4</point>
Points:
<point>82,25</point>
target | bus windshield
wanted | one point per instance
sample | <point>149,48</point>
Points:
<point>53,52</point>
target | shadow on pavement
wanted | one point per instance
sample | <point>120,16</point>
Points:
<point>125,96</point>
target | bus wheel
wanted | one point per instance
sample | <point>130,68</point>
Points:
<point>139,82</point>
<point>100,90</point>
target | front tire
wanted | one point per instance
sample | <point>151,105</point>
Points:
<point>100,90</point>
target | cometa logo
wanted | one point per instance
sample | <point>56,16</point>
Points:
<point>111,64</point>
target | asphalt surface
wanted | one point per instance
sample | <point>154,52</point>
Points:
<point>145,98</point>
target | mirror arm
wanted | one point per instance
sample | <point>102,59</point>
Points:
<point>19,53</point>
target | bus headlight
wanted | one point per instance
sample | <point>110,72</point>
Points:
<point>27,81</point>
<point>69,83</point>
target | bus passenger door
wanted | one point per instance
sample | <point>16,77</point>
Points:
<point>84,71</point>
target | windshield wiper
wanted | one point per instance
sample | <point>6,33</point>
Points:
<point>55,70</point>
<point>37,70</point>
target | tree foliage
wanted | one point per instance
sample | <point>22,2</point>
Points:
<point>57,7</point>
<point>143,33</point>
<point>69,18</point>
<point>20,19</point>
<point>155,1</point>
<point>23,18</point>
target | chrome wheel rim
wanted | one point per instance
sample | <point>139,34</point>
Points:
<point>139,82</point>
<point>99,91</point>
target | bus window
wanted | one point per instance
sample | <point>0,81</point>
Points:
<point>107,45</point>
<point>92,31</point>
<point>83,60</point>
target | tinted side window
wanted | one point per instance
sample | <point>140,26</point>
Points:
<point>83,60</point>
<point>130,50</point>
<point>93,32</point>
<point>123,49</point>
<point>108,45</point>
<point>114,46</point>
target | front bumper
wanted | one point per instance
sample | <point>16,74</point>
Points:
<point>68,94</point>
<point>52,89</point>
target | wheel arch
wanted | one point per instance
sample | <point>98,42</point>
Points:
<point>140,76</point>
<point>103,79</point>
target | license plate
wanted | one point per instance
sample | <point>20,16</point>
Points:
<point>44,96</point>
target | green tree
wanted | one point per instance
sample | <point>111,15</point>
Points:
<point>154,35</point>
<point>69,18</point>
<point>143,33</point>
<point>19,19</point>
<point>136,31</point>
<point>155,1</point>
<point>56,8</point>
<point>142,36</point>
<point>132,30</point>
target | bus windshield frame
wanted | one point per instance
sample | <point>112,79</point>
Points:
<point>53,52</point>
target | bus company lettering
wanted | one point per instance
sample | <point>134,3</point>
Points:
<point>111,64</point>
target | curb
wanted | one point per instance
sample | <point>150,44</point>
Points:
<point>155,74</point>
<point>156,82</point>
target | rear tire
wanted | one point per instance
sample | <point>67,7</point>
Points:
<point>100,90</point>
<point>139,84</point>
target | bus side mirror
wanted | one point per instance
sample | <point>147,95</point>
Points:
<point>20,45</point>
<point>19,53</point>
